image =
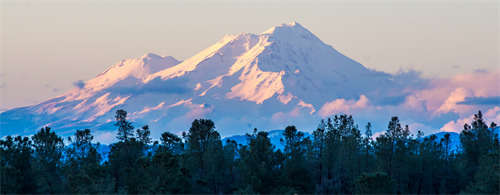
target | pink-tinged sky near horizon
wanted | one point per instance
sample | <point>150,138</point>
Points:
<point>48,46</point>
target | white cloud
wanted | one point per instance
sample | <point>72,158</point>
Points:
<point>442,94</point>
<point>427,130</point>
<point>281,118</point>
<point>491,115</point>
<point>343,106</point>
<point>415,103</point>
<point>458,95</point>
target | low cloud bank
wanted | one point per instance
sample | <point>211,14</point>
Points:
<point>430,105</point>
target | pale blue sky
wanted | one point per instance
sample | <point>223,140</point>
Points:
<point>46,46</point>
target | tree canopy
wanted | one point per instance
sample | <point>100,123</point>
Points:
<point>336,159</point>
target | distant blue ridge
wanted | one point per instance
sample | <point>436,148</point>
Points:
<point>275,136</point>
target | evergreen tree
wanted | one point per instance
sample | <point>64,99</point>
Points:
<point>16,159</point>
<point>231,179</point>
<point>487,178</point>
<point>125,128</point>
<point>203,151</point>
<point>296,173</point>
<point>143,136</point>
<point>48,152</point>
<point>476,140</point>
<point>171,143</point>
<point>257,163</point>
<point>247,190</point>
<point>367,150</point>
<point>121,165</point>
<point>375,183</point>
<point>82,170</point>
<point>318,150</point>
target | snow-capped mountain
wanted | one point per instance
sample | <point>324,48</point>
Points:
<point>241,82</point>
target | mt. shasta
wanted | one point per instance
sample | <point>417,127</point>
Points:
<point>282,76</point>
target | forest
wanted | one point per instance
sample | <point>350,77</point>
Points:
<point>339,158</point>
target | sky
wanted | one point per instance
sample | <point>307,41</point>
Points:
<point>48,46</point>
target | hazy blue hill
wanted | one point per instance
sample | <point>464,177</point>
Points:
<point>275,136</point>
<point>455,138</point>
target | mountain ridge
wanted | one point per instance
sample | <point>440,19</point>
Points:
<point>276,76</point>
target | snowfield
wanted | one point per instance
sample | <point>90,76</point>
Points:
<point>285,75</point>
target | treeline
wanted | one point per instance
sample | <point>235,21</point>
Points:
<point>336,159</point>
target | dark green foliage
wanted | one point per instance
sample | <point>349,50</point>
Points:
<point>296,174</point>
<point>16,157</point>
<point>375,183</point>
<point>125,128</point>
<point>121,165</point>
<point>172,143</point>
<point>336,159</point>
<point>205,158</point>
<point>82,170</point>
<point>143,135</point>
<point>48,149</point>
<point>200,137</point>
<point>248,190</point>
<point>257,165</point>
<point>487,178</point>
<point>476,140</point>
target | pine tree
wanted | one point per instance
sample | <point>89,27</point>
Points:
<point>82,169</point>
<point>143,136</point>
<point>367,149</point>
<point>230,181</point>
<point>171,143</point>
<point>48,152</point>
<point>125,128</point>
<point>203,151</point>
<point>296,173</point>
<point>487,178</point>
<point>318,143</point>
<point>476,140</point>
<point>257,163</point>
<point>375,183</point>
<point>16,159</point>
<point>247,190</point>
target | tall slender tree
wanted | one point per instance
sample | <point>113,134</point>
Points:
<point>16,155</point>
<point>296,173</point>
<point>48,152</point>
<point>125,128</point>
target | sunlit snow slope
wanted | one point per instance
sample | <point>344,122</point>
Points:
<point>242,81</point>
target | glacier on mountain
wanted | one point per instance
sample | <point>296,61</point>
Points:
<point>285,75</point>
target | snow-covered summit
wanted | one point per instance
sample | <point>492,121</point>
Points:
<point>124,73</point>
<point>285,71</point>
<point>152,55</point>
<point>293,26</point>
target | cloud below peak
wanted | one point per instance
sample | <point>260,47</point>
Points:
<point>343,106</point>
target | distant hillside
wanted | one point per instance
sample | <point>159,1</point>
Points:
<point>275,136</point>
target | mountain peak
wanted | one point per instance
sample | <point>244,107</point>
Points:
<point>292,33</point>
<point>151,55</point>
<point>292,24</point>
<point>278,75</point>
<point>293,27</point>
